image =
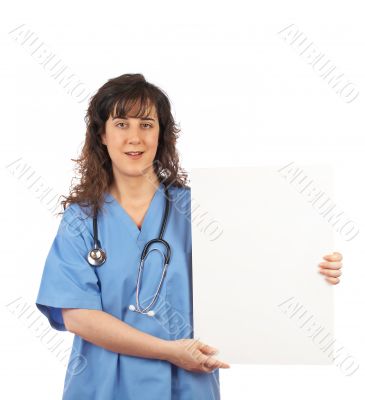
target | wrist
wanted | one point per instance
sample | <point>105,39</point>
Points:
<point>165,349</point>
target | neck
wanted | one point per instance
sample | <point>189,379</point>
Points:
<point>135,189</point>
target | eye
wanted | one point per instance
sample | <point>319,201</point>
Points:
<point>145,125</point>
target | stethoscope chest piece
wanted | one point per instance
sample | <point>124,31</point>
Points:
<point>96,257</point>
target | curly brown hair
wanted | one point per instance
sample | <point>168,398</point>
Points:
<point>117,97</point>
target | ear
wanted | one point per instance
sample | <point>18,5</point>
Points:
<point>103,138</point>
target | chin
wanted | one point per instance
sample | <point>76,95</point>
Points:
<point>135,172</point>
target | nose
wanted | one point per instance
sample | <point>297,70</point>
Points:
<point>134,136</point>
<point>134,140</point>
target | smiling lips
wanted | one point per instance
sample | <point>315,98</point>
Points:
<point>134,154</point>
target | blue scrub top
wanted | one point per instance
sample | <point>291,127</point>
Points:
<point>68,281</point>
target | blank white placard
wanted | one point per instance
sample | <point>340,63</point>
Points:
<point>257,241</point>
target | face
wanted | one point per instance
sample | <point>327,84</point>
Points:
<point>124,135</point>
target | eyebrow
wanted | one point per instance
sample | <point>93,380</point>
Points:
<point>143,118</point>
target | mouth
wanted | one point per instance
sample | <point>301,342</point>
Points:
<point>134,154</point>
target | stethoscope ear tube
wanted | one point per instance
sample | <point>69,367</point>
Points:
<point>97,256</point>
<point>148,244</point>
<point>147,310</point>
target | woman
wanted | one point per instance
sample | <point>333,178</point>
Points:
<point>128,161</point>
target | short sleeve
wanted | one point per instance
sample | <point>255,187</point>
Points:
<point>68,280</point>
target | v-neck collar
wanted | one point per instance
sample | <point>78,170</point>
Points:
<point>137,234</point>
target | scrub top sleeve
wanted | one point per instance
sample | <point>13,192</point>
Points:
<point>68,280</point>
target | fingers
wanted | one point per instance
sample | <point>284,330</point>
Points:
<point>206,349</point>
<point>336,256</point>
<point>331,267</point>
<point>334,273</point>
<point>210,363</point>
<point>333,281</point>
<point>207,362</point>
<point>331,264</point>
<point>202,347</point>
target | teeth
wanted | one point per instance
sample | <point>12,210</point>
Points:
<point>134,153</point>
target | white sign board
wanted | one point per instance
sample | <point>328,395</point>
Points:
<point>258,234</point>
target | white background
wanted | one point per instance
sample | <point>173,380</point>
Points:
<point>241,94</point>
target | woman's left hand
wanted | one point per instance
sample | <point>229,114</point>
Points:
<point>331,267</point>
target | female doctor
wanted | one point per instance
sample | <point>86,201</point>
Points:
<point>132,322</point>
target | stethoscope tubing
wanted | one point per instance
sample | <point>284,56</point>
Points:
<point>97,257</point>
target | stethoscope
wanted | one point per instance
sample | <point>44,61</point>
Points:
<point>97,256</point>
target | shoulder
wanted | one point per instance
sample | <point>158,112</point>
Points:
<point>73,212</point>
<point>180,196</point>
<point>176,191</point>
<point>74,221</point>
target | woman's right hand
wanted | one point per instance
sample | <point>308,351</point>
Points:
<point>193,355</point>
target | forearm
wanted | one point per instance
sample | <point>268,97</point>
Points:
<point>104,330</point>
